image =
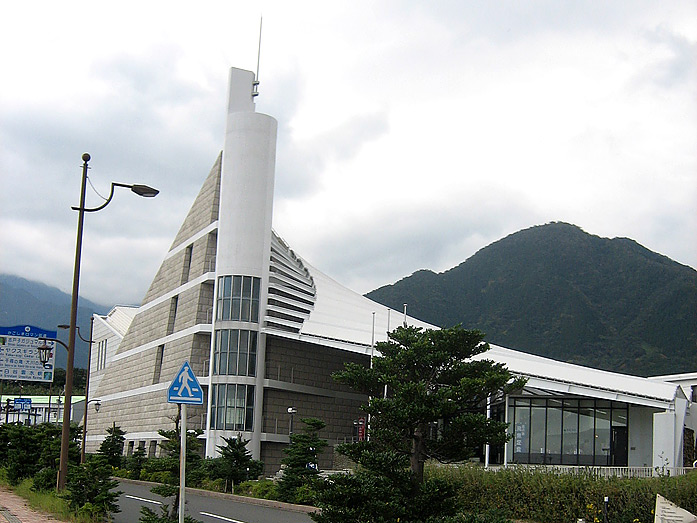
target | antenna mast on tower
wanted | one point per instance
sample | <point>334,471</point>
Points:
<point>255,89</point>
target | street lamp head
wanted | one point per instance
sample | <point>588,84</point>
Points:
<point>144,190</point>
<point>86,157</point>
<point>97,405</point>
<point>44,353</point>
<point>63,326</point>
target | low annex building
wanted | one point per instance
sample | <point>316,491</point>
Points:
<point>263,330</point>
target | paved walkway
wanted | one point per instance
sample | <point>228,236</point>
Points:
<point>15,509</point>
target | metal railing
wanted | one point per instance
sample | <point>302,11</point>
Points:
<point>604,472</point>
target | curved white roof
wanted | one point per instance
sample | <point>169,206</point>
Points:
<point>564,377</point>
<point>313,307</point>
<point>343,314</point>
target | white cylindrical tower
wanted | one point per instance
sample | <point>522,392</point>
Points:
<point>242,269</point>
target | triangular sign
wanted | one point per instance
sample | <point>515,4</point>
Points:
<point>668,512</point>
<point>185,388</point>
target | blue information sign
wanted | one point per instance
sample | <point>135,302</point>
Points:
<point>22,403</point>
<point>19,354</point>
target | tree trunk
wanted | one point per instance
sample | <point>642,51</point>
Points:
<point>417,457</point>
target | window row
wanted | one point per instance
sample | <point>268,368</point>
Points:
<point>232,407</point>
<point>101,354</point>
<point>238,298</point>
<point>235,352</point>
<point>570,432</point>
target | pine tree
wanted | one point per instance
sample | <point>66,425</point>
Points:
<point>112,446</point>
<point>301,460</point>
<point>235,462</point>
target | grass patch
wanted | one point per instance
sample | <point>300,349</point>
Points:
<point>48,502</point>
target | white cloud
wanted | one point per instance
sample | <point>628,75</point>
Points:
<point>411,134</point>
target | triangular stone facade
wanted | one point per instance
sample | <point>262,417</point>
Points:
<point>173,324</point>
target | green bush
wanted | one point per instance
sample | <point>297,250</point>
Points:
<point>263,489</point>
<point>90,484</point>
<point>544,495</point>
<point>45,480</point>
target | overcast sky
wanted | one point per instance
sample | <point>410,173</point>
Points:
<point>411,134</point>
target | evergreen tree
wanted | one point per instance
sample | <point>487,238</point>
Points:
<point>435,407</point>
<point>112,446</point>
<point>428,391</point>
<point>235,463</point>
<point>135,463</point>
<point>301,460</point>
<point>89,488</point>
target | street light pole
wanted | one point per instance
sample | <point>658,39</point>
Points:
<point>87,392</point>
<point>141,190</point>
<point>65,433</point>
<point>87,382</point>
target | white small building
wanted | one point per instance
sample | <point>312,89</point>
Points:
<point>43,409</point>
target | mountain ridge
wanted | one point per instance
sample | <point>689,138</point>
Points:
<point>557,291</point>
<point>29,302</point>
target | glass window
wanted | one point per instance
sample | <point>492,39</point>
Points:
<point>554,417</point>
<point>238,298</point>
<point>619,417</point>
<point>232,407</point>
<point>602,437</point>
<point>586,429</point>
<point>256,285</point>
<point>537,434</point>
<point>252,369</point>
<point>220,423</point>
<point>521,435</point>
<point>235,352</point>
<point>244,351</point>
<point>570,437</point>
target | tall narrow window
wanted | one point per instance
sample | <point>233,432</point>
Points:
<point>186,269</point>
<point>101,354</point>
<point>158,364</point>
<point>172,314</point>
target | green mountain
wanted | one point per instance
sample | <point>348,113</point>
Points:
<point>26,302</point>
<point>557,291</point>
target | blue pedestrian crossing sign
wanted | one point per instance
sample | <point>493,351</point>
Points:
<point>185,388</point>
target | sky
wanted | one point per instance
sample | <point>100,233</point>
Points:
<point>411,134</point>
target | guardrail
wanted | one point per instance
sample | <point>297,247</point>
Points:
<point>604,472</point>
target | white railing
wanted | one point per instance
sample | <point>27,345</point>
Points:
<point>605,472</point>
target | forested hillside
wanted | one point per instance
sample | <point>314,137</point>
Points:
<point>557,291</point>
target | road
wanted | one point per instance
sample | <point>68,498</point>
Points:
<point>203,507</point>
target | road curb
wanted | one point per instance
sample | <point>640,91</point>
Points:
<point>233,497</point>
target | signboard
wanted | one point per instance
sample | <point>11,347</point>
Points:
<point>185,388</point>
<point>19,355</point>
<point>668,512</point>
<point>22,404</point>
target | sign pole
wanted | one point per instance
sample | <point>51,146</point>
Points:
<point>184,390</point>
<point>182,465</point>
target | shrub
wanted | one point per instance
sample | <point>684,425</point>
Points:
<point>45,480</point>
<point>263,489</point>
<point>544,495</point>
<point>91,484</point>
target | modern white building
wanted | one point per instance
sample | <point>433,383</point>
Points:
<point>263,330</point>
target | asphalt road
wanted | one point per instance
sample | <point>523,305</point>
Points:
<point>205,508</point>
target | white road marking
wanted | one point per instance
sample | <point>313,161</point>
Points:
<point>143,499</point>
<point>221,517</point>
